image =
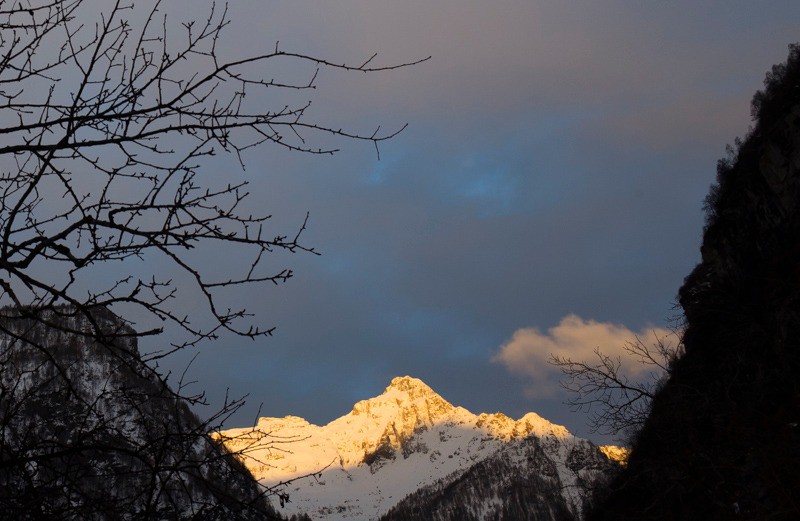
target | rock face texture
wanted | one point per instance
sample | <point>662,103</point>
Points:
<point>519,482</point>
<point>409,442</point>
<point>87,431</point>
<point>723,437</point>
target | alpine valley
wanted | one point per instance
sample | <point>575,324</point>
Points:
<point>409,454</point>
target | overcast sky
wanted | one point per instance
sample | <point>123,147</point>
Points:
<point>546,196</point>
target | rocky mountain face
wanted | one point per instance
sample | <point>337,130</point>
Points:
<point>517,482</point>
<point>723,437</point>
<point>409,454</point>
<point>87,431</point>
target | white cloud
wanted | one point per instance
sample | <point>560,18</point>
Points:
<point>529,351</point>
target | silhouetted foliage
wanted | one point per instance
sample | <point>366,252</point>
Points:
<point>723,438</point>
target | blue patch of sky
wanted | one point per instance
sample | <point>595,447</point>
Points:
<point>338,263</point>
<point>379,173</point>
<point>492,187</point>
<point>533,170</point>
<point>531,167</point>
<point>534,166</point>
<point>448,332</point>
<point>522,184</point>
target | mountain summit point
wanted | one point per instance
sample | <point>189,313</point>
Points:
<point>405,383</point>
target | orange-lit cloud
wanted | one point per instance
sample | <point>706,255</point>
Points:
<point>529,351</point>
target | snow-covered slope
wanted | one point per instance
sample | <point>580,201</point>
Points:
<point>408,438</point>
<point>88,431</point>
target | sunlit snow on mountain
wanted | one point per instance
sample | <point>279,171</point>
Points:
<point>406,440</point>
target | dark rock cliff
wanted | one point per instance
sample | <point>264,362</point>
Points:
<point>723,437</point>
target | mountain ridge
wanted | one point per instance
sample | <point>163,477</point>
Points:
<point>363,463</point>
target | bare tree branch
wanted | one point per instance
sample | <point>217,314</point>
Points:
<point>615,401</point>
<point>112,120</point>
<point>109,115</point>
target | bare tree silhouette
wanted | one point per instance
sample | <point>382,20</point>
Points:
<point>617,403</point>
<point>105,126</point>
<point>108,114</point>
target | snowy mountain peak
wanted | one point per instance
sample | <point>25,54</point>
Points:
<point>406,402</point>
<point>382,425</point>
<point>410,385</point>
<point>532,423</point>
<point>414,393</point>
<point>400,441</point>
